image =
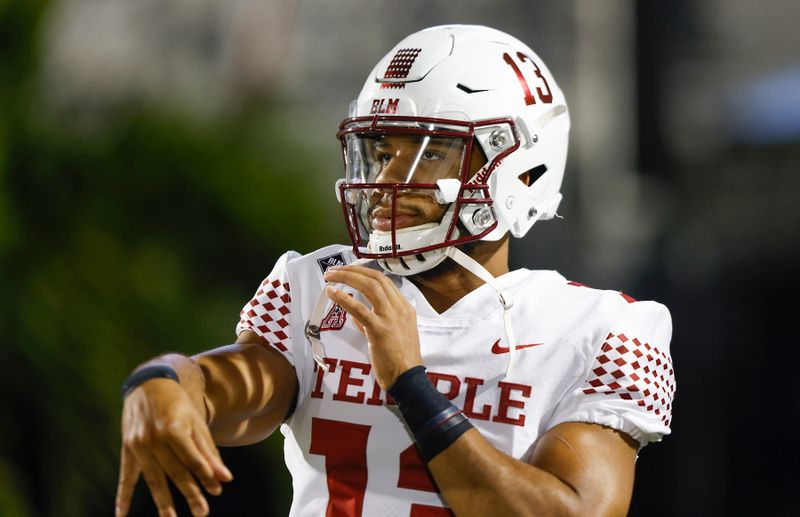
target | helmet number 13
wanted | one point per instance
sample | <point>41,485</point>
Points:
<point>546,96</point>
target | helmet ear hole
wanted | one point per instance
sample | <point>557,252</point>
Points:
<point>531,176</point>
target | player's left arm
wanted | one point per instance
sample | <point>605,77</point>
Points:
<point>575,469</point>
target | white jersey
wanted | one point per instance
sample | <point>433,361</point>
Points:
<point>583,355</point>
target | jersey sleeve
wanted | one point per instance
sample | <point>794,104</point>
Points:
<point>269,312</point>
<point>630,383</point>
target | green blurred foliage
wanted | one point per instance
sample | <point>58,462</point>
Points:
<point>143,233</point>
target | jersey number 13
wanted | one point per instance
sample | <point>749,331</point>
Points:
<point>344,446</point>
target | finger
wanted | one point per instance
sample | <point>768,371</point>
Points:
<point>363,317</point>
<point>359,326</point>
<point>386,282</point>
<point>356,322</point>
<point>157,482</point>
<point>128,475</point>
<point>182,480</point>
<point>204,442</point>
<point>190,456</point>
<point>368,285</point>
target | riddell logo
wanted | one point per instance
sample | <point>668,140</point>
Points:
<point>388,248</point>
<point>497,349</point>
<point>483,175</point>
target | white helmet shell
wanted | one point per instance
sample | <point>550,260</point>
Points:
<point>509,105</point>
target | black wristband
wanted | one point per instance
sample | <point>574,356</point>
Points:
<point>158,371</point>
<point>433,420</point>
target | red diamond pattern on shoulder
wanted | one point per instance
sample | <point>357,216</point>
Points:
<point>632,370</point>
<point>266,314</point>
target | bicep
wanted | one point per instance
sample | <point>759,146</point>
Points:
<point>596,462</point>
<point>249,389</point>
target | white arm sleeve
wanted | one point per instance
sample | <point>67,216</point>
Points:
<point>269,312</point>
<point>630,383</point>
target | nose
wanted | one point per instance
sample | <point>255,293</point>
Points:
<point>390,175</point>
<point>381,196</point>
<point>394,170</point>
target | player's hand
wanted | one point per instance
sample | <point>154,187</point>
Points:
<point>390,325</point>
<point>165,436</point>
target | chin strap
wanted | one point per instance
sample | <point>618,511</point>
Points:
<point>312,325</point>
<point>474,267</point>
<point>312,329</point>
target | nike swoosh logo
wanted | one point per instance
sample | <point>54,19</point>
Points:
<point>497,349</point>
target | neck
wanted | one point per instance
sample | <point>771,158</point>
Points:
<point>447,283</point>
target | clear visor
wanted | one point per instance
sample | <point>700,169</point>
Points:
<point>410,159</point>
<point>395,180</point>
<point>406,183</point>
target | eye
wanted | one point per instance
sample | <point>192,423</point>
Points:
<point>384,158</point>
<point>431,155</point>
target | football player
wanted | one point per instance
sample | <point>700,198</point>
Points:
<point>411,373</point>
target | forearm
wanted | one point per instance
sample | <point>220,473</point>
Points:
<point>249,389</point>
<point>243,391</point>
<point>475,478</point>
<point>165,434</point>
<point>190,377</point>
<point>573,469</point>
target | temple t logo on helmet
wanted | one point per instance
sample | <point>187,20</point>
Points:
<point>437,140</point>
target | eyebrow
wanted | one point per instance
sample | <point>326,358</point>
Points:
<point>440,145</point>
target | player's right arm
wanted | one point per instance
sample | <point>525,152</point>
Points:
<point>233,395</point>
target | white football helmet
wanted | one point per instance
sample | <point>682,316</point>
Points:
<point>413,131</point>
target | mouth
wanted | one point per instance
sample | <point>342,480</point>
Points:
<point>382,219</point>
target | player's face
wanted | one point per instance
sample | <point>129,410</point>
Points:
<point>416,160</point>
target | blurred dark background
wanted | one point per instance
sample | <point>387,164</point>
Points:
<point>157,156</point>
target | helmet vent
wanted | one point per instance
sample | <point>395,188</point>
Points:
<point>403,263</point>
<point>534,174</point>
